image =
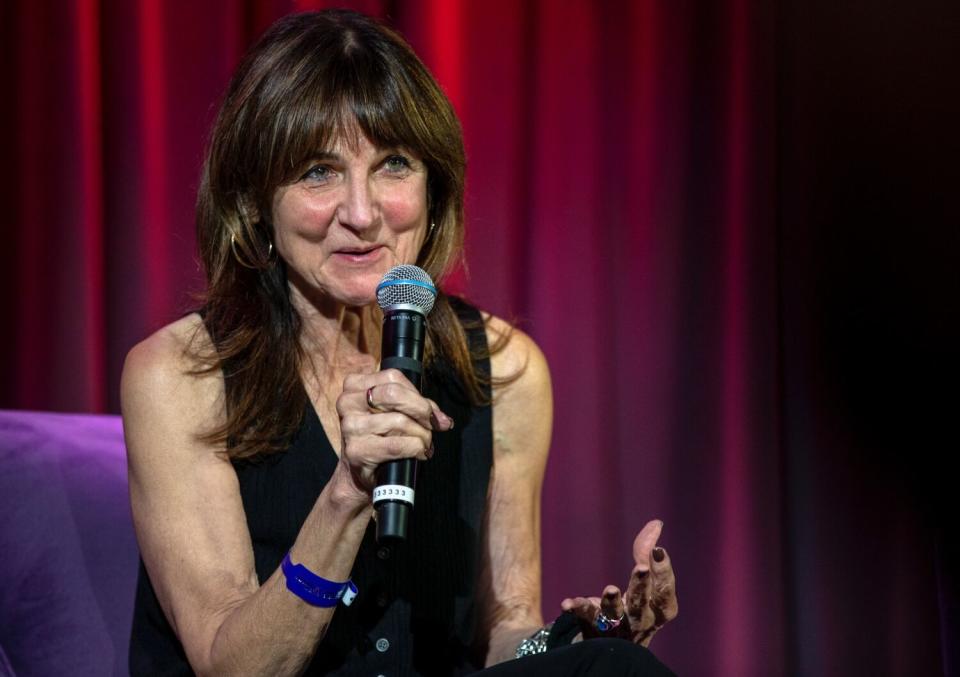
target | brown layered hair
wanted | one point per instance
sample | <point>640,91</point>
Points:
<point>310,79</point>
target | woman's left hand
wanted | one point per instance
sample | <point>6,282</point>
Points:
<point>650,600</point>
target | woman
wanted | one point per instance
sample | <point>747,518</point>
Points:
<point>255,426</point>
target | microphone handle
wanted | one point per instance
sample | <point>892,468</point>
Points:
<point>402,349</point>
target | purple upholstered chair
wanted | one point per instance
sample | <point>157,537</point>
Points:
<point>68,557</point>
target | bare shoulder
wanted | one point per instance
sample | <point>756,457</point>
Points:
<point>165,354</point>
<point>159,379</point>
<point>522,395</point>
<point>519,364</point>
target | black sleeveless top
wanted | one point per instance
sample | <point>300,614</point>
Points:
<point>415,613</point>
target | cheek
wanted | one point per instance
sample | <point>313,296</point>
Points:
<point>408,219</point>
<point>405,212</point>
<point>301,220</point>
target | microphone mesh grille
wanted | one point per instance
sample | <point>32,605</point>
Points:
<point>407,285</point>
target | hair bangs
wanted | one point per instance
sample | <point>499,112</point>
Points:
<point>344,102</point>
<point>381,113</point>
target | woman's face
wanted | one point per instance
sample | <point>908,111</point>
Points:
<point>349,219</point>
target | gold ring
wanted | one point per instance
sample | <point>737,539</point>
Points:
<point>370,399</point>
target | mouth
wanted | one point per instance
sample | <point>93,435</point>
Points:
<point>359,254</point>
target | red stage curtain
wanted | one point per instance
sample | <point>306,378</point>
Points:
<point>668,196</point>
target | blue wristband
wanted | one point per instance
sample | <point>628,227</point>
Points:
<point>314,589</point>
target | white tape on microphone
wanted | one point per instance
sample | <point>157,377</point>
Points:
<point>393,492</point>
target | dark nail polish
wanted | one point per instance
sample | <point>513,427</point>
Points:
<point>658,554</point>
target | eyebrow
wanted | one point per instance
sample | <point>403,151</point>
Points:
<point>329,155</point>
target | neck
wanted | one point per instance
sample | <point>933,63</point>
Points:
<point>336,333</point>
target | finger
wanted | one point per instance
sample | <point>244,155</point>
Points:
<point>638,590</point>
<point>660,564</point>
<point>386,397</point>
<point>371,451</point>
<point>645,540</point>
<point>395,397</point>
<point>611,602</point>
<point>360,382</point>
<point>643,618</point>
<point>613,608</point>
<point>386,424</point>
<point>398,397</point>
<point>663,588</point>
<point>390,390</point>
<point>583,607</point>
<point>439,420</point>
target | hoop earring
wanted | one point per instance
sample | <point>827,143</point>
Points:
<point>245,264</point>
<point>433,227</point>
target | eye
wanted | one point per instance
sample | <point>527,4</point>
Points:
<point>318,174</point>
<point>397,164</point>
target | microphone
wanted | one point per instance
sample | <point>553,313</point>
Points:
<point>406,295</point>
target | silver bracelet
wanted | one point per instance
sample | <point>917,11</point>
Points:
<point>535,643</point>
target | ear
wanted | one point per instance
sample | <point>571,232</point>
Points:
<point>247,211</point>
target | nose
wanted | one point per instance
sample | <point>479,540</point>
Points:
<point>358,209</point>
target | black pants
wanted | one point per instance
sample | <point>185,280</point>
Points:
<point>592,658</point>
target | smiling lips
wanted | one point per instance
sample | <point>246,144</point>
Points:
<point>359,254</point>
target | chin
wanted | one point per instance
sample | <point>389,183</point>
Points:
<point>356,295</point>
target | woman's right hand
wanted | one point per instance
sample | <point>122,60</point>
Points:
<point>392,422</point>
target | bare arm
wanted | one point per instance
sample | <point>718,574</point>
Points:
<point>510,589</point>
<point>191,526</point>
<point>522,423</point>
